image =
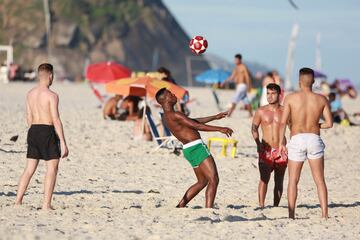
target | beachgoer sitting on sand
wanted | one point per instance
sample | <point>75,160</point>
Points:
<point>110,108</point>
<point>166,75</point>
<point>338,113</point>
<point>129,108</point>
<point>146,133</point>
<point>195,151</point>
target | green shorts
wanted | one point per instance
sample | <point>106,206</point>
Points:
<point>195,152</point>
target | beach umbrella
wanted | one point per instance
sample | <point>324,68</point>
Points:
<point>212,76</point>
<point>143,86</point>
<point>318,74</point>
<point>105,72</point>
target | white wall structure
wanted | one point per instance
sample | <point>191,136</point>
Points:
<point>9,54</point>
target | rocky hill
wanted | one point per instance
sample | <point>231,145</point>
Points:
<point>140,34</point>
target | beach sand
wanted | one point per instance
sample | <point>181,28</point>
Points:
<point>112,187</point>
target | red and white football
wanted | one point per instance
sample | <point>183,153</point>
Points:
<point>198,45</point>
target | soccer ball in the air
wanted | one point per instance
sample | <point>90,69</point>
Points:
<point>198,45</point>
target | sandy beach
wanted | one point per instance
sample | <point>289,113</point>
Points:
<point>112,187</point>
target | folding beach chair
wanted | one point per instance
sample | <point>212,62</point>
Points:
<point>167,141</point>
<point>172,142</point>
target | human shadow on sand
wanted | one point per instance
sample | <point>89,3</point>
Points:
<point>8,194</point>
<point>332,205</point>
<point>231,206</point>
<point>234,218</point>
<point>11,151</point>
<point>69,193</point>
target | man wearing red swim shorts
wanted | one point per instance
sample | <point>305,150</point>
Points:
<point>268,117</point>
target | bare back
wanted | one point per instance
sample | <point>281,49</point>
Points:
<point>306,109</point>
<point>38,105</point>
<point>110,107</point>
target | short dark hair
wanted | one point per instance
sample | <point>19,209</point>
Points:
<point>45,67</point>
<point>306,71</point>
<point>159,94</point>
<point>332,95</point>
<point>164,70</point>
<point>270,74</point>
<point>274,86</point>
<point>238,56</point>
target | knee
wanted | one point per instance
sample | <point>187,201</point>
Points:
<point>278,186</point>
<point>202,183</point>
<point>52,169</point>
<point>264,180</point>
<point>29,172</point>
<point>293,181</point>
<point>214,180</point>
<point>263,183</point>
<point>319,182</point>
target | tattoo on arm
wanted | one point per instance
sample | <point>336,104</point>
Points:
<point>254,128</point>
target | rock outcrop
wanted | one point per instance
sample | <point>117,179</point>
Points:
<point>140,34</point>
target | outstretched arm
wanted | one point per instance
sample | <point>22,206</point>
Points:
<point>328,123</point>
<point>212,118</point>
<point>201,126</point>
<point>54,110</point>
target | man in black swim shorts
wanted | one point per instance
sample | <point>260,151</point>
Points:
<point>45,138</point>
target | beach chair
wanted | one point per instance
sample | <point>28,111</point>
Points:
<point>173,142</point>
<point>167,141</point>
<point>165,128</point>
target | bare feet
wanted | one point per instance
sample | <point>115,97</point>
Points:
<point>47,208</point>
<point>17,204</point>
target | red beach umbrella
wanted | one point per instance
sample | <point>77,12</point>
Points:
<point>105,72</point>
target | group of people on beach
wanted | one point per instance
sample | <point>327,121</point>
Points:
<point>46,138</point>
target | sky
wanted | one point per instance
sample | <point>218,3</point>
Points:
<point>260,30</point>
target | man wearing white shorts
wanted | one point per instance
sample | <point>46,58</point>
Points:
<point>303,109</point>
<point>241,77</point>
<point>304,146</point>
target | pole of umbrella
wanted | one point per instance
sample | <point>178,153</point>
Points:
<point>144,115</point>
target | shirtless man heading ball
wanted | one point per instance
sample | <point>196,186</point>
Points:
<point>186,130</point>
<point>303,109</point>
